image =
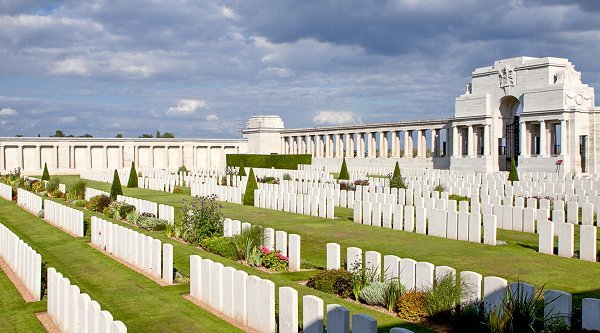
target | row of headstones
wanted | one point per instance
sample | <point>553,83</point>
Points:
<point>141,251</point>
<point>250,301</point>
<point>92,192</point>
<point>24,261</point>
<point>105,175</point>
<point>423,276</point>
<point>73,311</point>
<point>588,246</point>
<point>30,201</point>
<point>289,246</point>
<point>5,191</point>
<point>445,223</point>
<point>303,175</point>
<point>166,212</point>
<point>223,193</point>
<point>141,205</point>
<point>64,217</point>
<point>304,204</point>
<point>156,184</point>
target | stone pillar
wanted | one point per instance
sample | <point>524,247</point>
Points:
<point>486,140</point>
<point>361,145</point>
<point>38,152</point>
<point>563,138</point>
<point>406,144</point>
<point>543,150</point>
<point>470,141</point>
<point>455,141</point>
<point>89,157</point>
<point>383,144</point>
<point>368,143</point>
<point>339,146</point>
<point>523,138</point>
<point>435,143</point>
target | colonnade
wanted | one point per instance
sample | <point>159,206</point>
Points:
<point>360,143</point>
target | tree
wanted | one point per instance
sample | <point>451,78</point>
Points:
<point>133,179</point>
<point>59,134</point>
<point>119,135</point>
<point>513,175</point>
<point>344,175</point>
<point>115,188</point>
<point>168,135</point>
<point>242,171</point>
<point>396,181</point>
<point>145,136</point>
<point>250,187</point>
<point>45,175</point>
<point>158,135</point>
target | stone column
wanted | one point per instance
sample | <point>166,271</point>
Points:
<point>422,143</point>
<point>282,145</point>
<point>55,157</point>
<point>383,144</point>
<point>361,145</point>
<point>339,146</point>
<point>38,153</point>
<point>330,138</point>
<point>563,138</point>
<point>523,138</point>
<point>455,141</point>
<point>407,153</point>
<point>470,141</point>
<point>435,142</point>
<point>368,143</point>
<point>543,138</point>
<point>89,157</point>
<point>486,140</point>
<point>352,144</point>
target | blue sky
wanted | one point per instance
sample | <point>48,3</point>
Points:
<point>198,68</point>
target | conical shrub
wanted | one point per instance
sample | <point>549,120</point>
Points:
<point>250,187</point>
<point>344,175</point>
<point>45,175</point>
<point>133,179</point>
<point>115,188</point>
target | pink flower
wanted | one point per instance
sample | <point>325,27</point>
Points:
<point>264,250</point>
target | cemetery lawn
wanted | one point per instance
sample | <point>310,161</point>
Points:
<point>518,260</point>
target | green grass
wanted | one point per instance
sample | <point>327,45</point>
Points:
<point>16,315</point>
<point>517,260</point>
<point>89,268</point>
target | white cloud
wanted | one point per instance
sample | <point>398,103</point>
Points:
<point>71,66</point>
<point>8,112</point>
<point>335,118</point>
<point>277,71</point>
<point>228,12</point>
<point>212,117</point>
<point>67,119</point>
<point>186,107</point>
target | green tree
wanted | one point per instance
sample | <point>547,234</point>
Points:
<point>250,187</point>
<point>396,181</point>
<point>59,134</point>
<point>115,188</point>
<point>45,175</point>
<point>119,135</point>
<point>344,175</point>
<point>242,171</point>
<point>168,135</point>
<point>132,182</point>
<point>513,175</point>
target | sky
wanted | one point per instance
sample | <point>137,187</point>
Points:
<point>200,69</point>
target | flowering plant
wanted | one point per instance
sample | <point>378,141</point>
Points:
<point>273,260</point>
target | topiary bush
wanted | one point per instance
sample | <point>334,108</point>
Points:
<point>242,170</point>
<point>133,179</point>
<point>268,161</point>
<point>250,187</point>
<point>344,175</point>
<point>336,282</point>
<point>513,175</point>
<point>374,293</point>
<point>45,174</point>
<point>98,203</point>
<point>396,180</point>
<point>115,188</point>
<point>222,246</point>
<point>411,306</point>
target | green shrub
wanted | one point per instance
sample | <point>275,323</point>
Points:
<point>411,305</point>
<point>273,260</point>
<point>79,203</point>
<point>52,185</point>
<point>200,218</point>
<point>344,175</point>
<point>37,186</point>
<point>268,161</point>
<point>442,299</point>
<point>182,169</point>
<point>222,246</point>
<point>393,291</point>
<point>513,175</point>
<point>126,209</point>
<point>336,281</point>
<point>471,318</point>
<point>268,180</point>
<point>133,179</point>
<point>115,188</point>
<point>177,190</point>
<point>77,191</point>
<point>106,212</point>
<point>45,174</point>
<point>98,203</point>
<point>286,176</point>
<point>133,217</point>
<point>459,198</point>
<point>396,181</point>
<point>247,245</point>
<point>440,188</point>
<point>374,293</point>
<point>151,223</point>
<point>242,169</point>
<point>361,277</point>
<point>250,187</point>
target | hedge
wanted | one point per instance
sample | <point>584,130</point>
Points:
<point>268,161</point>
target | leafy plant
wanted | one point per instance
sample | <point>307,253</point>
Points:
<point>273,260</point>
<point>45,174</point>
<point>133,217</point>
<point>247,244</point>
<point>411,305</point>
<point>53,185</point>
<point>177,190</point>
<point>394,290</point>
<point>182,169</point>
<point>250,187</point>
<point>98,203</point>
<point>361,277</point>
<point>152,223</point>
<point>115,188</point>
<point>344,175</point>
<point>374,293</point>
<point>220,245</point>
<point>443,298</point>
<point>439,188</point>
<point>77,191</point>
<point>335,281</point>
<point>286,176</point>
<point>513,175</point>
<point>396,181</point>
<point>133,179</point>
<point>79,203</point>
<point>458,198</point>
<point>200,218</point>
<point>471,318</point>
